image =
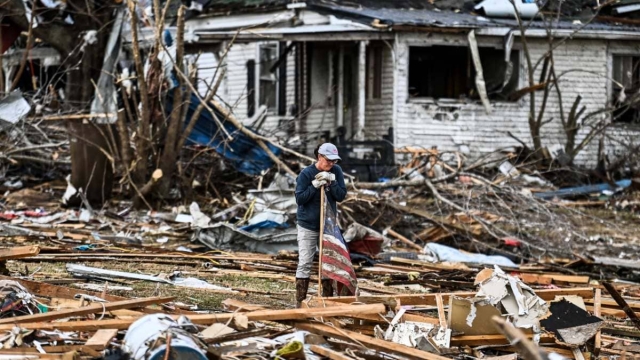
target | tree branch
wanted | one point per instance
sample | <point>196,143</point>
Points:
<point>62,38</point>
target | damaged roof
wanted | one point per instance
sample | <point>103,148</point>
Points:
<point>240,6</point>
<point>450,16</point>
<point>403,14</point>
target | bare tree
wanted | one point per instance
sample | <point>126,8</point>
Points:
<point>576,119</point>
<point>82,62</point>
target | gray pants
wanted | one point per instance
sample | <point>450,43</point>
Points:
<point>307,247</point>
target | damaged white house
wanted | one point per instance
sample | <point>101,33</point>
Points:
<point>420,76</point>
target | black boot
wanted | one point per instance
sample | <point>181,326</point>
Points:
<point>302,285</point>
<point>327,288</point>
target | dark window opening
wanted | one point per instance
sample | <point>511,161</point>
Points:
<point>282,79</point>
<point>626,83</point>
<point>251,88</point>
<point>320,94</point>
<point>448,72</point>
<point>268,79</point>
<point>374,72</point>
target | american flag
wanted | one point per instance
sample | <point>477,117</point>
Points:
<point>336,262</point>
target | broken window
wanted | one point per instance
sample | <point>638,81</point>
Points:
<point>268,92</point>
<point>626,84</point>
<point>374,71</point>
<point>448,72</point>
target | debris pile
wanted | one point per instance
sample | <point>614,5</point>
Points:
<point>43,320</point>
<point>453,259</point>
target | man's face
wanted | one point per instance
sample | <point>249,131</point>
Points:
<point>325,164</point>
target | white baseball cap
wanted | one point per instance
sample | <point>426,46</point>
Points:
<point>330,151</point>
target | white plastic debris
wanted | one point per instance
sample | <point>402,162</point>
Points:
<point>199,218</point>
<point>85,216</point>
<point>198,284</point>
<point>448,254</point>
<point>13,184</point>
<point>90,37</point>
<point>71,190</point>
<point>13,108</point>
<point>142,339</point>
<point>505,9</point>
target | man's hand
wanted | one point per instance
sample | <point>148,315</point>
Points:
<point>318,183</point>
<point>326,176</point>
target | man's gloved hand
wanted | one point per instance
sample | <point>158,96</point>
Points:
<point>327,176</point>
<point>319,183</point>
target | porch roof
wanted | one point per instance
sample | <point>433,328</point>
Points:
<point>399,19</point>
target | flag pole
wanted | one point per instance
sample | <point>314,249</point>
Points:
<point>322,201</point>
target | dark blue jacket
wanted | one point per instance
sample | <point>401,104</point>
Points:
<point>308,197</point>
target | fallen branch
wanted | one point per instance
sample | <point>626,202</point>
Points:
<point>518,339</point>
<point>622,303</point>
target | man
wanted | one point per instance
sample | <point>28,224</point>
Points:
<point>323,175</point>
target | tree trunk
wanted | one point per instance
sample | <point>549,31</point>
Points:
<point>91,169</point>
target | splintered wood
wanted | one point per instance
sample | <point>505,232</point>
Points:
<point>383,320</point>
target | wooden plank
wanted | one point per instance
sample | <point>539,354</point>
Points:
<point>403,239</point>
<point>54,349</point>
<point>208,319</point>
<point>328,353</point>
<point>432,266</point>
<point>479,340</point>
<point>442,317</point>
<point>102,338</point>
<point>610,303</point>
<point>71,117</point>
<point>241,306</point>
<point>94,308</point>
<point>545,279</point>
<point>620,314</point>
<point>159,256</point>
<point>31,356</point>
<point>369,342</point>
<point>430,299</point>
<point>378,318</point>
<point>567,353</point>
<point>19,252</point>
<point>53,291</point>
<point>577,354</point>
<point>597,342</point>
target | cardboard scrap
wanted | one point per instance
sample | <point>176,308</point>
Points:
<point>216,330</point>
<point>471,318</point>
<point>499,294</point>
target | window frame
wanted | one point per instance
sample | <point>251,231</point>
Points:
<point>257,79</point>
<point>610,86</point>
<point>463,44</point>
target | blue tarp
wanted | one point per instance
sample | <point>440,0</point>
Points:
<point>582,190</point>
<point>267,224</point>
<point>245,154</point>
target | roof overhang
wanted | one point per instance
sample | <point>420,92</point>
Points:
<point>290,25</point>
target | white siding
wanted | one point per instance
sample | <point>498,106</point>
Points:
<point>236,95</point>
<point>468,128</point>
<point>379,112</point>
<point>207,67</point>
<point>233,89</point>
